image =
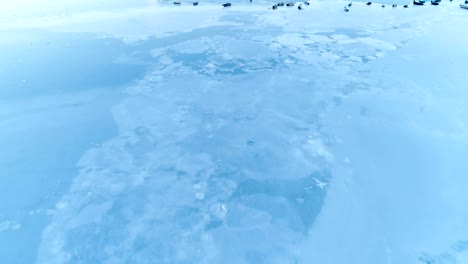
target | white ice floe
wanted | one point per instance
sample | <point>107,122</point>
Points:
<point>227,149</point>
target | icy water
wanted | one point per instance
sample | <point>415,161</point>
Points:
<point>56,94</point>
<point>241,135</point>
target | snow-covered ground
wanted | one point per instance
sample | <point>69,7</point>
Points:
<point>236,135</point>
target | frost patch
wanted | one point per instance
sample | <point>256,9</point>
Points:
<point>9,226</point>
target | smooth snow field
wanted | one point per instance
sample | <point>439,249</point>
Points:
<point>144,132</point>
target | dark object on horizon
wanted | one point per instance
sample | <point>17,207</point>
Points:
<point>280,4</point>
<point>434,3</point>
<point>290,4</point>
<point>307,2</point>
<point>417,2</point>
<point>227,4</point>
<point>383,5</point>
<point>466,2</point>
<point>394,5</point>
<point>177,3</point>
<point>464,6</point>
<point>346,9</point>
<point>350,4</point>
<point>195,3</point>
<point>405,6</point>
<point>369,3</point>
<point>299,7</point>
<point>274,7</point>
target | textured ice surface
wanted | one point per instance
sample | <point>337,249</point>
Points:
<point>255,136</point>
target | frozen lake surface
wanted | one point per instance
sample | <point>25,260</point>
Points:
<point>154,133</point>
